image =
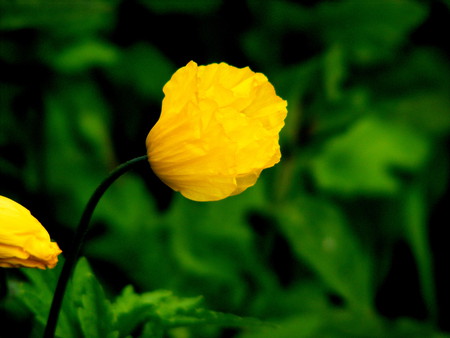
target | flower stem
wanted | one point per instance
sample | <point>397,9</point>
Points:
<point>80,235</point>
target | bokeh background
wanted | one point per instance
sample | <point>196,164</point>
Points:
<point>345,237</point>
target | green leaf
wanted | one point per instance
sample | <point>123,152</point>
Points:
<point>363,159</point>
<point>163,310</point>
<point>95,313</point>
<point>189,311</point>
<point>83,55</point>
<point>37,295</point>
<point>320,236</point>
<point>131,309</point>
<point>85,310</point>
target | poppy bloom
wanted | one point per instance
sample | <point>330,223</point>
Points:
<point>217,131</point>
<point>23,240</point>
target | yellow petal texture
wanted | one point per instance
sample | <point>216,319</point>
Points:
<point>217,131</point>
<point>23,240</point>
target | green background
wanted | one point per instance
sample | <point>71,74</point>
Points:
<point>343,238</point>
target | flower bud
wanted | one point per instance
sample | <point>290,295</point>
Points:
<point>23,240</point>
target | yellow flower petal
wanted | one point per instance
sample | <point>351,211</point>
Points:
<point>23,240</point>
<point>218,130</point>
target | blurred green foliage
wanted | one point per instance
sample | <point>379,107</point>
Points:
<point>343,238</point>
<point>87,313</point>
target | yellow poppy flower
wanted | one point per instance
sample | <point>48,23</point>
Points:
<point>23,240</point>
<point>217,131</point>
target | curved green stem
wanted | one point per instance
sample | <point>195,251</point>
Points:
<point>80,235</point>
